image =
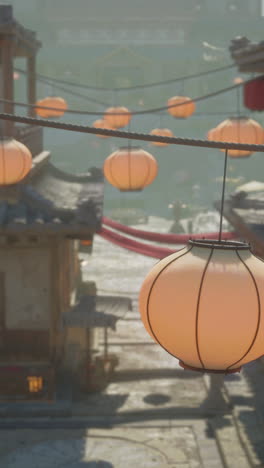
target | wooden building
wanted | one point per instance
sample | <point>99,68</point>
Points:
<point>245,208</point>
<point>247,55</point>
<point>42,220</point>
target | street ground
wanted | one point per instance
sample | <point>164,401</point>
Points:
<point>152,413</point>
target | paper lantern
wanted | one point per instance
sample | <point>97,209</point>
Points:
<point>238,130</point>
<point>238,80</point>
<point>15,161</point>
<point>130,169</point>
<point>58,103</point>
<point>100,123</point>
<point>254,95</point>
<point>184,107</point>
<point>161,132</point>
<point>117,117</point>
<point>203,305</point>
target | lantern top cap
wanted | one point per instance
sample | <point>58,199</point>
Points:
<point>215,244</point>
<point>128,148</point>
<point>239,117</point>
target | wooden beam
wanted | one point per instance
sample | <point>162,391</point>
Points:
<point>2,310</point>
<point>31,83</point>
<point>7,50</point>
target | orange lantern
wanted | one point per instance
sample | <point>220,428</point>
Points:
<point>161,132</point>
<point>203,305</point>
<point>100,123</point>
<point>238,80</point>
<point>117,117</point>
<point>58,103</point>
<point>15,161</point>
<point>184,107</point>
<point>238,130</point>
<point>130,169</point>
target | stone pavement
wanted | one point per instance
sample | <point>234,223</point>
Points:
<point>152,414</point>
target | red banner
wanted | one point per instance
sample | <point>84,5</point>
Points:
<point>166,238</point>
<point>138,247</point>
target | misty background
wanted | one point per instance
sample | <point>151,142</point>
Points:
<point>119,43</point>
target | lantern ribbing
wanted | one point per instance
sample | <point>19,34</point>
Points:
<point>203,305</point>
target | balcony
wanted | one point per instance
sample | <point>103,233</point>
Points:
<point>31,136</point>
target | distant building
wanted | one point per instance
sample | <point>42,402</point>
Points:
<point>47,314</point>
<point>116,43</point>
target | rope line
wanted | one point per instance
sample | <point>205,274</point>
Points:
<point>127,88</point>
<point>139,112</point>
<point>131,135</point>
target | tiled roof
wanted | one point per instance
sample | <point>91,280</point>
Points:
<point>245,212</point>
<point>90,311</point>
<point>55,202</point>
<point>249,56</point>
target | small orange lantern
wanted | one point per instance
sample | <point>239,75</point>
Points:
<point>184,107</point>
<point>58,104</point>
<point>15,161</point>
<point>161,132</point>
<point>117,117</point>
<point>203,305</point>
<point>130,169</point>
<point>238,130</point>
<point>101,123</point>
<point>238,80</point>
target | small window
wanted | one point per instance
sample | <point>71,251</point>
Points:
<point>35,384</point>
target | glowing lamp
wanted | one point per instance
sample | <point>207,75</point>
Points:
<point>130,169</point>
<point>15,161</point>
<point>238,130</point>
<point>203,305</point>
<point>184,107</point>
<point>58,104</point>
<point>101,123</point>
<point>117,117</point>
<point>161,132</point>
<point>238,80</point>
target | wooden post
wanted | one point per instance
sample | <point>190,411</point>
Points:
<point>31,83</point>
<point>105,343</point>
<point>7,48</point>
<point>2,310</point>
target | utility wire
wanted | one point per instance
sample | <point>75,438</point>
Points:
<point>139,112</point>
<point>74,93</point>
<point>132,135</point>
<point>128,88</point>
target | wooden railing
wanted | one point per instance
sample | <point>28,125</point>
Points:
<point>31,136</point>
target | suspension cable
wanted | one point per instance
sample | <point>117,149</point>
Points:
<point>128,88</point>
<point>131,135</point>
<point>138,112</point>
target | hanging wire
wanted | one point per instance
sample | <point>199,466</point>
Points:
<point>139,112</point>
<point>73,93</point>
<point>127,88</point>
<point>131,135</point>
<point>223,197</point>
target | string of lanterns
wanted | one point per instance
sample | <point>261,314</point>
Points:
<point>203,305</point>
